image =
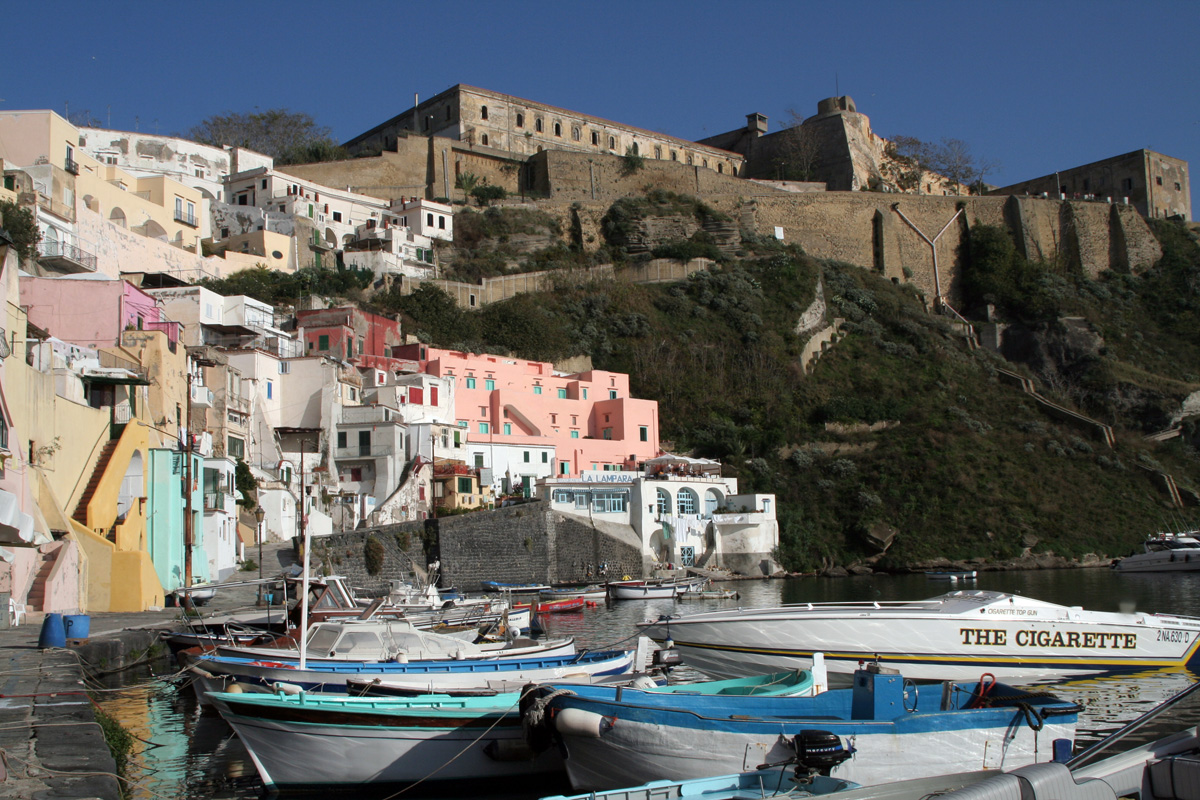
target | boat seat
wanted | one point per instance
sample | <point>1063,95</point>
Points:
<point>1176,777</point>
<point>1050,781</point>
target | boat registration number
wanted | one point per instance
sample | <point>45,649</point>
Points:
<point>1174,636</point>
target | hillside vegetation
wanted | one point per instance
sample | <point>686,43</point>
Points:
<point>972,470</point>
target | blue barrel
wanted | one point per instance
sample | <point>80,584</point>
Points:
<point>53,634</point>
<point>77,625</point>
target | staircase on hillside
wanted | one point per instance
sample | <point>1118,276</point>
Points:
<point>37,592</point>
<point>80,514</point>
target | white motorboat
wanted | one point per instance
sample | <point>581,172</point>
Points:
<point>1165,552</point>
<point>641,590</point>
<point>955,636</point>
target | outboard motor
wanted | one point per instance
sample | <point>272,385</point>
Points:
<point>819,751</point>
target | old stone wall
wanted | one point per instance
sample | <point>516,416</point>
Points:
<point>343,554</point>
<point>527,544</point>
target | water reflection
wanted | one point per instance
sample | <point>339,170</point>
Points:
<point>188,753</point>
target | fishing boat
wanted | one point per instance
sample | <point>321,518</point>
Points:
<point>641,591</point>
<point>447,743</point>
<point>952,575</point>
<point>1164,552</point>
<point>513,588</point>
<point>614,737</point>
<point>593,592</point>
<point>554,606</point>
<point>594,667</point>
<point>710,594</point>
<point>955,636</point>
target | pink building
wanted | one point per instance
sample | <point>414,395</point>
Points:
<point>351,334</point>
<point>91,310</point>
<point>509,405</point>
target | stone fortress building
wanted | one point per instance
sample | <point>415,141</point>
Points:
<point>504,126</point>
<point>1155,184</point>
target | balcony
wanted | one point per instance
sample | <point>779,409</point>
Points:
<point>66,257</point>
<point>363,451</point>
<point>188,219</point>
<point>216,501</point>
<point>71,166</point>
<point>202,396</point>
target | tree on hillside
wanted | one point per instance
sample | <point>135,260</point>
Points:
<point>290,137</point>
<point>799,149</point>
<point>950,158</point>
<point>21,227</point>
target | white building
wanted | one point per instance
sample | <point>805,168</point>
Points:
<point>221,543</point>
<point>425,217</point>
<point>681,509</point>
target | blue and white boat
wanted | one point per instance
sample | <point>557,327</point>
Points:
<point>218,672</point>
<point>513,588</point>
<point>615,737</point>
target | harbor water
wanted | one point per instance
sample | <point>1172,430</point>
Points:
<point>182,751</point>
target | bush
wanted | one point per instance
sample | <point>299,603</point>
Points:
<point>485,193</point>
<point>373,555</point>
<point>21,227</point>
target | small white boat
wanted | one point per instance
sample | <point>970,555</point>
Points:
<point>1165,552</point>
<point>592,592</point>
<point>952,575</point>
<point>447,744</point>
<point>955,636</point>
<point>642,590</point>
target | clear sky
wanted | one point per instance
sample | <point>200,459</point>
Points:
<point>1035,86</point>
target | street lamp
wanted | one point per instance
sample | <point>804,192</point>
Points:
<point>258,517</point>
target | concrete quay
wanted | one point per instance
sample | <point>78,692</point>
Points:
<point>51,745</point>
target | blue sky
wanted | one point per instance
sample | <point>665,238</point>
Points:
<point>1034,86</point>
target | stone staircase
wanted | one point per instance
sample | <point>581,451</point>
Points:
<point>1100,429</point>
<point>80,514</point>
<point>36,601</point>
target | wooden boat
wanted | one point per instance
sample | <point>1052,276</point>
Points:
<point>615,737</point>
<point>554,606</point>
<point>956,636</point>
<point>513,588</point>
<point>641,590</point>
<point>951,575</point>
<point>448,744</point>
<point>593,592</point>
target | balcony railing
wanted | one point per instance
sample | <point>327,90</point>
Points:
<point>66,256</point>
<point>215,501</point>
<point>71,166</point>
<point>186,218</point>
<point>363,451</point>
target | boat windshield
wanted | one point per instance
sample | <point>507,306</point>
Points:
<point>321,639</point>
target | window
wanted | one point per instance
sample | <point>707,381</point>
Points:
<point>585,394</point>
<point>270,389</point>
<point>557,129</point>
<point>341,439</point>
<point>720,168</point>
<point>643,433</point>
<point>441,223</point>
<point>674,156</point>
<point>464,485</point>
<point>1158,180</point>
<point>537,124</point>
<point>520,120</point>
<point>356,473</point>
<point>429,220</point>
<point>663,505</point>
<point>575,133</point>
<point>563,496</point>
<point>470,383</point>
<point>526,456</point>
<point>658,151</point>
<point>237,448</point>
<point>686,502</point>
<point>483,112</point>
<point>689,158</point>
<point>1178,187</point>
<point>612,394</point>
<point>224,233</point>
<point>609,502</point>
<point>508,430</point>
<point>3,433</point>
<point>484,427</point>
<point>608,433</point>
<point>562,394</point>
<point>337,216</point>
<point>178,207</point>
<point>323,342</point>
<point>595,138</point>
<point>489,384</point>
<point>612,143</point>
<point>484,140</point>
<point>545,457</point>
<point>563,469</point>
<point>574,434</point>
<point>537,390</point>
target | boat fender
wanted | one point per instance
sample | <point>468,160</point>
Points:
<point>400,658</point>
<point>537,724</point>
<point>587,724</point>
<point>235,688</point>
<point>279,687</point>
